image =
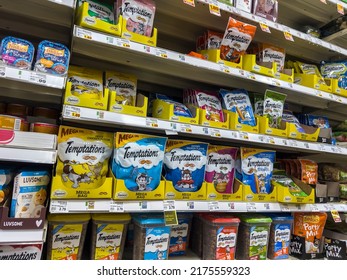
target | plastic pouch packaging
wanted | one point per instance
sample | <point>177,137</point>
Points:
<point>138,160</point>
<point>184,164</point>
<point>17,52</point>
<point>271,53</point>
<point>213,40</point>
<point>266,8</point>
<point>309,171</point>
<point>258,104</point>
<point>66,235</point>
<point>220,168</point>
<point>257,168</point>
<point>124,85</point>
<point>238,101</point>
<point>138,14</point>
<point>335,70</point>
<point>236,39</point>
<point>100,9</point>
<point>179,235</point>
<point>309,69</point>
<point>273,107</point>
<point>282,179</point>
<point>289,117</point>
<point>52,58</point>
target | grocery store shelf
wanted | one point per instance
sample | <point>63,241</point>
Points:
<point>158,63</point>
<point>21,236</point>
<point>195,19</point>
<point>104,206</point>
<point>27,155</point>
<point>44,19</point>
<point>96,117</point>
<point>31,85</point>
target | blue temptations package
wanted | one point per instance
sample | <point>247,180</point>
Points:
<point>289,117</point>
<point>184,164</point>
<point>138,160</point>
<point>17,52</point>
<point>335,70</point>
<point>52,58</point>
<point>179,108</point>
<point>238,101</point>
<point>257,168</point>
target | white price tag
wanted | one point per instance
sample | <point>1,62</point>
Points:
<point>169,205</point>
<point>328,207</point>
<point>72,112</point>
<point>322,147</point>
<point>314,208</point>
<point>251,76</point>
<point>143,205</point>
<point>110,40</point>
<point>244,135</point>
<point>190,205</point>
<point>318,93</point>
<point>225,69</point>
<point>38,78</point>
<point>59,206</point>
<point>261,138</point>
<point>100,115</point>
<point>161,53</point>
<point>215,133</point>
<point>116,207</point>
<point>264,27</point>
<point>189,2</point>
<point>251,207</point>
<point>285,142</point>
<point>186,128</point>
<point>123,43</point>
<point>267,206</point>
<point>85,34</point>
<point>284,207</point>
<point>288,36</point>
<point>2,71</point>
<point>213,206</point>
<point>270,140</point>
<point>152,123</point>
<point>293,143</point>
<point>90,205</point>
<point>231,206</point>
<point>235,135</point>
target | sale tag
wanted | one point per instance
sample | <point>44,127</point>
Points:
<point>264,27</point>
<point>340,9</point>
<point>288,36</point>
<point>214,10</point>
<point>336,216</point>
<point>170,214</point>
<point>189,2</point>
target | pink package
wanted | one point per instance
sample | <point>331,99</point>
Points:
<point>266,8</point>
<point>220,167</point>
<point>139,15</point>
<point>208,101</point>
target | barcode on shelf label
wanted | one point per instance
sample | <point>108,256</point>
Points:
<point>116,207</point>
<point>189,2</point>
<point>251,207</point>
<point>151,123</point>
<point>264,27</point>
<point>143,205</point>
<point>100,115</point>
<point>307,146</point>
<point>190,205</point>
<point>37,78</point>
<point>90,205</point>
<point>85,34</point>
<point>186,128</point>
<point>340,9</point>
<point>231,206</point>
<point>2,71</point>
<point>59,206</point>
<point>288,36</point>
<point>213,206</point>
<point>161,53</point>
<point>215,133</point>
<point>285,142</point>
<point>110,40</point>
<point>72,112</point>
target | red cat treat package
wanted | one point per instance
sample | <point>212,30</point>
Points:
<point>236,40</point>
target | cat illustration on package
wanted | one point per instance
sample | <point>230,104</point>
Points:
<point>83,157</point>
<point>220,167</point>
<point>138,160</point>
<point>184,164</point>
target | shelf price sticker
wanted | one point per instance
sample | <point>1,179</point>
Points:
<point>284,207</point>
<point>225,69</point>
<point>90,205</point>
<point>251,207</point>
<point>116,207</point>
<point>215,133</point>
<point>59,206</point>
<point>189,2</point>
<point>264,27</point>
<point>152,123</point>
<point>2,71</point>
<point>100,115</point>
<point>186,128</point>
<point>336,216</point>
<point>123,43</point>
<point>38,78</point>
<point>288,36</point>
<point>244,135</point>
<point>170,214</point>
<point>213,206</point>
<point>314,208</point>
<point>85,34</point>
<point>109,40</point>
<point>190,205</point>
<point>73,112</point>
<point>161,53</point>
<point>214,8</point>
<point>340,9</point>
<point>231,206</point>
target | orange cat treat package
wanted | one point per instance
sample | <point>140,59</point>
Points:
<point>236,40</point>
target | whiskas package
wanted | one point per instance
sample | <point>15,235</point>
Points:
<point>266,8</point>
<point>125,85</point>
<point>83,156</point>
<point>179,108</point>
<point>184,164</point>
<point>138,160</point>
<point>29,193</point>
<point>238,101</point>
<point>100,10</point>
<point>208,101</point>
<point>52,58</point>
<point>85,82</point>
<point>220,167</point>
<point>257,167</point>
<point>17,52</point>
<point>273,107</point>
<point>139,15</point>
<point>236,39</point>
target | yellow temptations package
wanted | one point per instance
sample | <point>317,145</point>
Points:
<point>83,156</point>
<point>124,85</point>
<point>85,82</point>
